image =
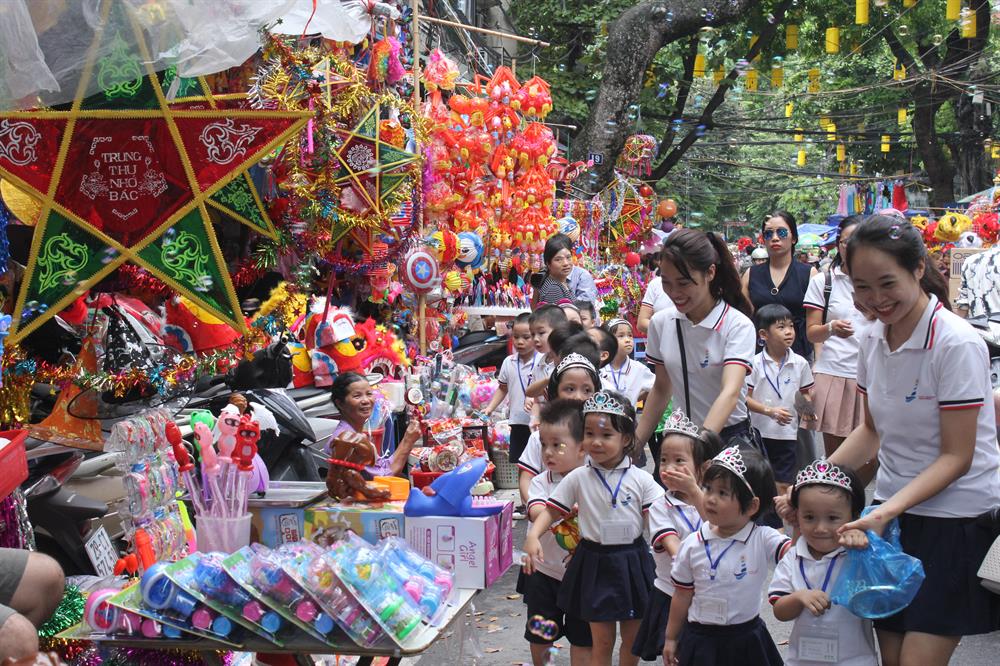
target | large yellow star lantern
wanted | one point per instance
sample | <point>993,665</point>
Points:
<point>126,176</point>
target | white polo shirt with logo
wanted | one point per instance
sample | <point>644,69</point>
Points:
<point>669,517</point>
<point>515,375</point>
<point>944,365</point>
<point>630,380</point>
<point>725,337</point>
<point>732,593</point>
<point>843,637</point>
<point>839,356</point>
<point>775,385</point>
<point>555,558</point>
<point>654,296</point>
<point>584,489</point>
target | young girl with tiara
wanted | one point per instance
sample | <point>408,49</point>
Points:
<point>608,580</point>
<point>685,453</point>
<point>825,497</point>
<point>721,569</point>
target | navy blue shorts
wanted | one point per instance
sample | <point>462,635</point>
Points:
<point>950,602</point>
<point>540,593</point>
<point>519,436</point>
<point>781,455</point>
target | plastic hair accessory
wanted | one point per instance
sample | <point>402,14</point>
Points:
<point>603,403</point>
<point>732,460</point>
<point>823,472</point>
<point>681,424</point>
<point>574,360</point>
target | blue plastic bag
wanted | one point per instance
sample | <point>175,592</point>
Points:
<point>880,580</point>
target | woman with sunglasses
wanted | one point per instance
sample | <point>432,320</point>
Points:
<point>781,279</point>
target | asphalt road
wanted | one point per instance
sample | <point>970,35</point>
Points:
<point>493,633</point>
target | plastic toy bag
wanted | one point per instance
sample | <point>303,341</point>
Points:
<point>880,580</point>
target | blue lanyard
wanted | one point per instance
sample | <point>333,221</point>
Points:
<point>616,376</point>
<point>763,361</point>
<point>531,370</point>
<point>613,493</point>
<point>714,566</point>
<point>826,579</point>
<point>693,528</point>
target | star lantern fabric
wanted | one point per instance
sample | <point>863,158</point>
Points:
<point>126,176</point>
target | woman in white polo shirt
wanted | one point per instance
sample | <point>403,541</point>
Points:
<point>924,375</point>
<point>708,322</point>
<point>833,321</point>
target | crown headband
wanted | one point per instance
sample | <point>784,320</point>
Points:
<point>603,402</point>
<point>574,360</point>
<point>618,322</point>
<point>823,472</point>
<point>732,460</point>
<point>682,425</point>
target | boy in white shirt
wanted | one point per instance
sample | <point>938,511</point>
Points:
<point>561,432</point>
<point>633,380</point>
<point>514,377</point>
<point>778,375</point>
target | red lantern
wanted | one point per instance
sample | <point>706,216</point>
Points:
<point>667,208</point>
<point>632,259</point>
<point>645,190</point>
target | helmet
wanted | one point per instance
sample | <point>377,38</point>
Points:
<point>759,253</point>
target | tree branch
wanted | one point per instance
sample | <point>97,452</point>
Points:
<point>683,92</point>
<point>766,36</point>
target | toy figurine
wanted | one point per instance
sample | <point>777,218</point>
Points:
<point>352,453</point>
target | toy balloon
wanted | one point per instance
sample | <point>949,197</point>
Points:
<point>667,208</point>
<point>420,271</point>
<point>570,227</point>
<point>632,259</point>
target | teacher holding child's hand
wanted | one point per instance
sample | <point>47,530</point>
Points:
<point>924,375</point>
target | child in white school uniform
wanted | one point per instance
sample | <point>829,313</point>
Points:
<point>685,454</point>
<point>825,497</point>
<point>514,377</point>
<point>561,431</point>
<point>721,569</point>
<point>777,377</point>
<point>630,378</point>
<point>608,580</point>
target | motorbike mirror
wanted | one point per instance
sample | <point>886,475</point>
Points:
<point>44,486</point>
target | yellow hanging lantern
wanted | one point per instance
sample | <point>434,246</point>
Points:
<point>719,74</point>
<point>841,152</point>
<point>901,115</point>
<point>968,24</point>
<point>751,80</point>
<point>791,37</point>
<point>854,168</point>
<point>798,134</point>
<point>824,121</point>
<point>833,40</point>
<point>699,66</point>
<point>753,41</point>
<point>861,12</point>
<point>953,9</point>
<point>801,159</point>
<point>995,152</point>
<point>899,72</point>
<point>813,80</point>
<point>909,3</point>
<point>777,77</point>
<point>885,143</point>
<point>831,132</point>
<point>789,108</point>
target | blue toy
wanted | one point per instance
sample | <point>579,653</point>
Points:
<point>451,494</point>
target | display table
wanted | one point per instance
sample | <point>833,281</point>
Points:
<point>301,647</point>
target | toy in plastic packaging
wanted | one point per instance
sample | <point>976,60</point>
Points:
<point>428,585</point>
<point>880,580</point>
<point>180,609</point>
<point>104,618</point>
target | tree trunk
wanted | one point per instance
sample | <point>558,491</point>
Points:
<point>968,153</point>
<point>940,171</point>
<point>634,38</point>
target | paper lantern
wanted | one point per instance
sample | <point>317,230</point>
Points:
<point>909,3</point>
<point>751,80</point>
<point>667,208</point>
<point>833,40</point>
<point>789,108</point>
<point>885,143</point>
<point>801,159</point>
<point>899,73</point>
<point>841,152</point>
<point>831,132</point>
<point>719,74</point>
<point>953,9</point>
<point>813,86</point>
<point>901,116</point>
<point>632,259</point>
<point>861,12</point>
<point>699,66</point>
<point>798,134</point>
<point>777,78</point>
<point>791,37</point>
<point>968,24</point>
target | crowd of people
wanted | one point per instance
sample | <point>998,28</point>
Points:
<point>740,371</point>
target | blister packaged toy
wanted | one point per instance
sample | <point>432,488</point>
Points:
<point>177,607</point>
<point>428,585</point>
<point>213,580</point>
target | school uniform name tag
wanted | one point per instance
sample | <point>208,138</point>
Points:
<point>616,532</point>
<point>820,646</point>
<point>712,610</point>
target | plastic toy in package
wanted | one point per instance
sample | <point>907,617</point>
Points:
<point>428,585</point>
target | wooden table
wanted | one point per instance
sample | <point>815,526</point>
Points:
<point>302,646</point>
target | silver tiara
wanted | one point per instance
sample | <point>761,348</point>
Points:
<point>681,424</point>
<point>732,460</point>
<point>574,360</point>
<point>603,402</point>
<point>823,472</point>
<point>617,322</point>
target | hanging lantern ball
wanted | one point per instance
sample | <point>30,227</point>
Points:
<point>645,190</point>
<point>667,208</point>
<point>632,259</point>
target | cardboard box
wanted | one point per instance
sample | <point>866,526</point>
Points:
<point>372,522</point>
<point>279,516</point>
<point>477,550</point>
<point>957,257</point>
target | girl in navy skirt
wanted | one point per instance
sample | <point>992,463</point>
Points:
<point>684,456</point>
<point>607,582</point>
<point>721,569</point>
